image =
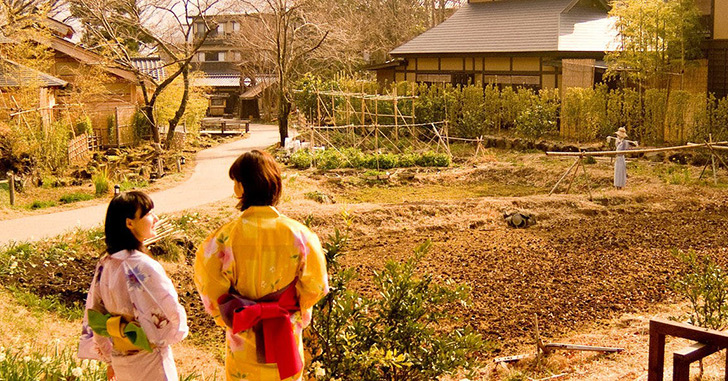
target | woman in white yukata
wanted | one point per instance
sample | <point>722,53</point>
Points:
<point>620,164</point>
<point>132,312</point>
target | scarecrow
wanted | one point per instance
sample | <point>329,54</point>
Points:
<point>620,164</point>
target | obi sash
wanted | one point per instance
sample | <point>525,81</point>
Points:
<point>270,319</point>
<point>126,336</point>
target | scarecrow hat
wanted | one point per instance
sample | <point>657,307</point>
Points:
<point>621,133</point>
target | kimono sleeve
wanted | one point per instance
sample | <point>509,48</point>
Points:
<point>157,308</point>
<point>91,346</point>
<point>313,282</point>
<point>213,269</point>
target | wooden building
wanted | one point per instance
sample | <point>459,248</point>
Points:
<point>532,43</point>
<point>15,77</point>
<point>717,48</point>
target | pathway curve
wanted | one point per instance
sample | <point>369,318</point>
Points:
<point>209,183</point>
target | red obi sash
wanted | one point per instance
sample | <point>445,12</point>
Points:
<point>269,317</point>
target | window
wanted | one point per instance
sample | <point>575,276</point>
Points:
<point>200,57</point>
<point>463,79</point>
<point>200,29</point>
<point>235,25</point>
<point>236,56</point>
<point>220,28</point>
<point>213,56</point>
<point>217,102</point>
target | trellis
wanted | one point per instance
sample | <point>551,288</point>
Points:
<point>364,122</point>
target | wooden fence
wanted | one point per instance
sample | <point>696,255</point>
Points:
<point>81,147</point>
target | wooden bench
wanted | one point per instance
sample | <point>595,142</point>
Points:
<point>225,126</point>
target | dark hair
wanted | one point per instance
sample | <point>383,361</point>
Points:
<point>260,177</point>
<point>123,206</point>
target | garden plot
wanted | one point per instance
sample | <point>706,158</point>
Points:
<point>583,262</point>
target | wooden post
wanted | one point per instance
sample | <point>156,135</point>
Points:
<point>396,111</point>
<point>179,165</point>
<point>118,130</point>
<point>656,360</point>
<point>712,160</point>
<point>363,99</point>
<point>11,186</point>
<point>376,130</point>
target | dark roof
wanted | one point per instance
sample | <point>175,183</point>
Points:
<point>518,26</point>
<point>13,74</point>
<point>151,66</point>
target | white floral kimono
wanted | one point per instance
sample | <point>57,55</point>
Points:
<point>133,285</point>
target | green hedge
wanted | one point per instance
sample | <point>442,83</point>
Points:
<point>354,158</point>
<point>655,116</point>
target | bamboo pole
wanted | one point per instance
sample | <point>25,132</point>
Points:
<point>712,159</point>
<point>629,152</point>
<point>586,176</point>
<point>395,110</point>
<point>564,175</point>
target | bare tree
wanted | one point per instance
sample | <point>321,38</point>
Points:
<point>166,24</point>
<point>277,36</point>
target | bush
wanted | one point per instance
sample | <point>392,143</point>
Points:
<point>432,159</point>
<point>83,126</point>
<point>705,286</point>
<point>38,204</point>
<point>329,159</point>
<point>302,159</point>
<point>401,334</point>
<point>75,197</point>
<point>101,182</point>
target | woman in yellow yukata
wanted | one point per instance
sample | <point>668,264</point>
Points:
<point>259,277</point>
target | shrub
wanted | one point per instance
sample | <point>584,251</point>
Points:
<point>387,161</point>
<point>329,159</point>
<point>302,159</point>
<point>75,197</point>
<point>432,159</point>
<point>393,336</point>
<point>41,204</point>
<point>406,160</point>
<point>705,286</point>
<point>83,126</point>
<point>101,182</point>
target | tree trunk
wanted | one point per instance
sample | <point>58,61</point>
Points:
<point>148,111</point>
<point>181,110</point>
<point>284,109</point>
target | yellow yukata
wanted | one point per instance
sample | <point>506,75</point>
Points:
<point>259,253</point>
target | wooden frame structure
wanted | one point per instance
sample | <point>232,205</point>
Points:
<point>708,342</point>
<point>713,147</point>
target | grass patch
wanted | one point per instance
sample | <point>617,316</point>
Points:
<point>44,304</point>
<point>41,204</point>
<point>47,363</point>
<point>127,185</point>
<point>75,197</point>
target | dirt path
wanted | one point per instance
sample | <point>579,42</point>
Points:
<point>208,183</point>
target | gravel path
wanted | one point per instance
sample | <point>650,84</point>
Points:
<point>209,183</point>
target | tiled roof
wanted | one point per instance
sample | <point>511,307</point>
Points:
<point>217,80</point>
<point>517,26</point>
<point>152,66</point>
<point>13,74</point>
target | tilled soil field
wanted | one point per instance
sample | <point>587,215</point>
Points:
<point>581,262</point>
<point>569,271</point>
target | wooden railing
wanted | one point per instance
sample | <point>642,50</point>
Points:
<point>708,341</point>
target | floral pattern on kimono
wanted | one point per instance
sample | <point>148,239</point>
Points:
<point>133,285</point>
<point>258,253</point>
